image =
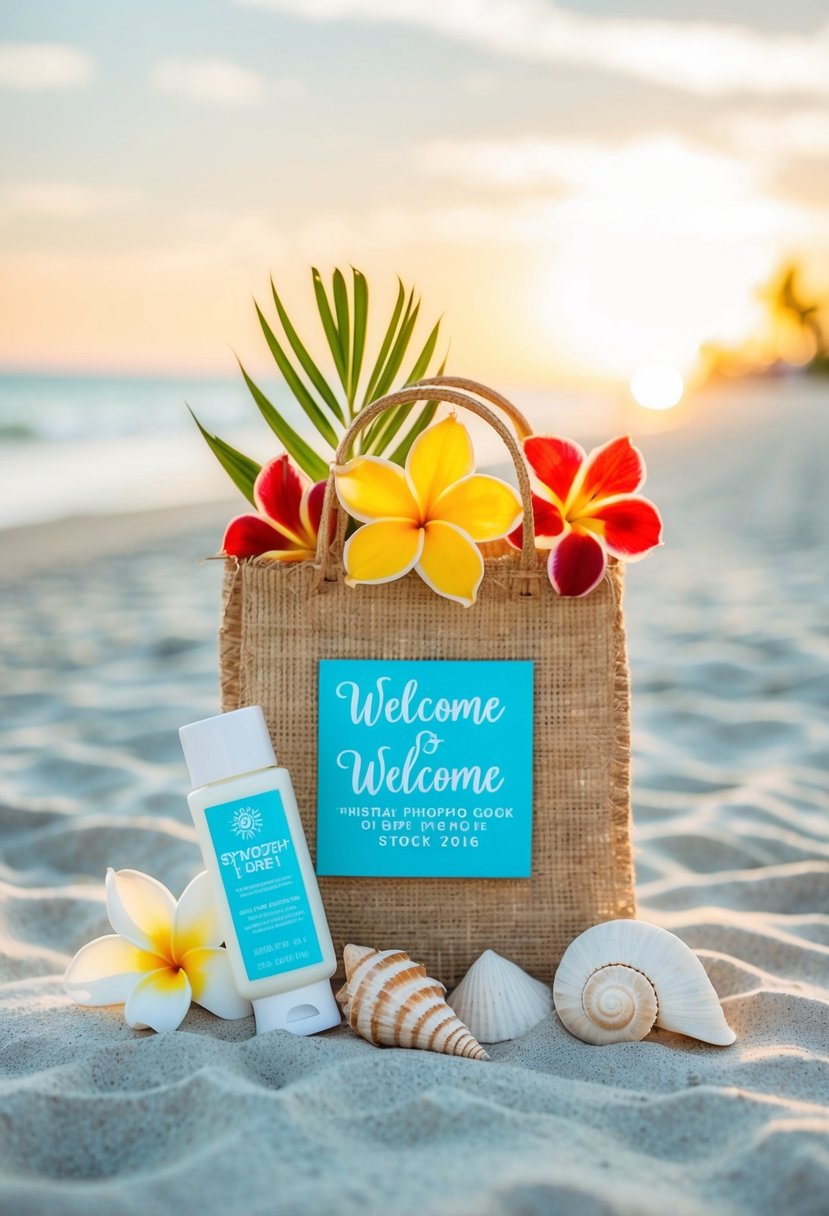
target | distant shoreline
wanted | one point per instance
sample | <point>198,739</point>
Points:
<point>27,549</point>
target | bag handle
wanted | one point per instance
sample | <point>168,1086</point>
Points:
<point>522,426</point>
<point>329,556</point>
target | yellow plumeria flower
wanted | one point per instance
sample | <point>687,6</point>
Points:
<point>426,517</point>
<point>163,955</point>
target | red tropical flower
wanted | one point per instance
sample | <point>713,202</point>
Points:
<point>587,507</point>
<point>289,507</point>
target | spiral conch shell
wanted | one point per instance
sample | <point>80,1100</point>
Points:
<point>390,1000</point>
<point>499,1001</point>
<point>617,980</point>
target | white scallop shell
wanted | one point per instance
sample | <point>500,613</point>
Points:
<point>618,979</point>
<point>499,1001</point>
<point>390,1000</point>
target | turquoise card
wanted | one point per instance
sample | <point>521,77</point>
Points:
<point>425,768</point>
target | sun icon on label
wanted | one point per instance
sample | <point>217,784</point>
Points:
<point>246,822</point>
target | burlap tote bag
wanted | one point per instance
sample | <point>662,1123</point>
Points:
<point>279,620</point>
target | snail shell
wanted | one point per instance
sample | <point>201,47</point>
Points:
<point>499,1001</point>
<point>617,980</point>
<point>390,1000</point>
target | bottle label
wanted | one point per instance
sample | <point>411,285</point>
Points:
<point>263,883</point>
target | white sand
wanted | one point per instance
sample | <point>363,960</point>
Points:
<point>101,662</point>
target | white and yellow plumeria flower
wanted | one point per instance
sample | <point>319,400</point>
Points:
<point>428,517</point>
<point>163,955</point>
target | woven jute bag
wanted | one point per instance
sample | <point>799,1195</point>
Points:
<point>279,619</point>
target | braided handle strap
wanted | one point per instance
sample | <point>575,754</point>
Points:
<point>522,426</point>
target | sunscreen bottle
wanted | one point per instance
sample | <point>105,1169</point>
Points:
<point>254,848</point>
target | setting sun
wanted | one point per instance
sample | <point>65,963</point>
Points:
<point>657,386</point>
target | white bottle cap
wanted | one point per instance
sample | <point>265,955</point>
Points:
<point>306,1010</point>
<point>227,745</point>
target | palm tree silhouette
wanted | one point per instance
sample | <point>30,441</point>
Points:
<point>786,300</point>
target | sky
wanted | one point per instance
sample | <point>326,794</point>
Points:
<point>579,188</point>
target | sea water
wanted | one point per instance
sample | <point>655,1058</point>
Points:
<point>90,445</point>
<point>97,445</point>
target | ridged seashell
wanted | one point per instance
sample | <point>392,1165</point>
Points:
<point>499,1001</point>
<point>617,980</point>
<point>390,1000</point>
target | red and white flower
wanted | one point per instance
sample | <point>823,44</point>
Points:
<point>587,508</point>
<point>289,507</point>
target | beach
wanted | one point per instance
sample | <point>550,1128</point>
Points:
<point>108,645</point>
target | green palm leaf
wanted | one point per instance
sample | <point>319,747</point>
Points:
<point>385,346</point>
<point>306,362</point>
<point>390,370</point>
<point>294,444</point>
<point>344,315</point>
<point>240,468</point>
<point>359,341</point>
<point>311,407</point>
<point>330,328</point>
<point>398,349</point>
<point>390,424</point>
<point>343,325</point>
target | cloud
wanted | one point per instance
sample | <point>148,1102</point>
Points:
<point>699,56</point>
<point>744,152</point>
<point>64,200</point>
<point>649,167</point>
<point>778,136</point>
<point>208,80</point>
<point>32,66</point>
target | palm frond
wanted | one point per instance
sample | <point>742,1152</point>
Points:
<point>294,444</point>
<point>306,362</point>
<point>341,310</point>
<point>390,424</point>
<point>385,346</point>
<point>360,293</point>
<point>330,328</point>
<point>240,468</point>
<point>311,407</point>
<point>344,318</point>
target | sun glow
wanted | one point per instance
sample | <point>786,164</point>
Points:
<point>657,386</point>
<point>652,247</point>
